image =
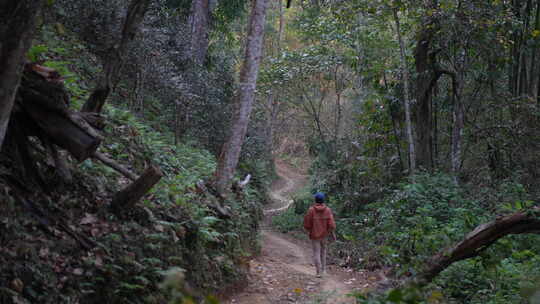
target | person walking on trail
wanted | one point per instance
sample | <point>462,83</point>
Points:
<point>319,223</point>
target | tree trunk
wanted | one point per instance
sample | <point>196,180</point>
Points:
<point>17,24</point>
<point>458,124</point>
<point>405,71</point>
<point>281,24</point>
<point>534,66</point>
<point>244,98</point>
<point>425,80</point>
<point>272,103</point>
<point>113,63</point>
<point>199,21</point>
<point>44,104</point>
<point>435,134</point>
<point>129,196</point>
<point>478,240</point>
<point>270,121</point>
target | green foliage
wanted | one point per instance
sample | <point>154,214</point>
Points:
<point>174,227</point>
<point>292,219</point>
<point>36,52</point>
<point>429,213</point>
<point>288,221</point>
<point>410,295</point>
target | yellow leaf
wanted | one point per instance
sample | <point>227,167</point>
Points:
<point>435,297</point>
<point>535,33</point>
<point>298,290</point>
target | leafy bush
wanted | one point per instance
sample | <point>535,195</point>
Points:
<point>427,214</point>
<point>288,221</point>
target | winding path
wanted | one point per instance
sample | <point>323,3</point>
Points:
<point>283,272</point>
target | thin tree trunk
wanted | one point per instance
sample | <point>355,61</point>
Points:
<point>17,25</point>
<point>199,21</point>
<point>457,129</point>
<point>244,98</point>
<point>535,69</point>
<point>270,121</point>
<point>113,64</point>
<point>281,23</point>
<point>405,71</point>
<point>272,104</point>
<point>176,122</point>
<point>435,135</point>
<point>338,119</point>
<point>394,129</point>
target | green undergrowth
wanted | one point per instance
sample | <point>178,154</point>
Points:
<point>291,220</point>
<point>174,231</point>
<point>174,226</point>
<point>428,213</point>
<point>401,224</point>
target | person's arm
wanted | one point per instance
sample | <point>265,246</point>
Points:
<point>332,227</point>
<point>308,221</point>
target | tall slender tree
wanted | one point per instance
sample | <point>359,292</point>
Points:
<point>199,21</point>
<point>17,25</point>
<point>113,63</point>
<point>405,72</point>
<point>244,98</point>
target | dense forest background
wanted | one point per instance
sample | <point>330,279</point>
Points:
<point>127,128</point>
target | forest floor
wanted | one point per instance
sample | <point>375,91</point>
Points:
<point>283,272</point>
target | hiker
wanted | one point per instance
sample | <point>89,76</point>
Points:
<point>319,223</point>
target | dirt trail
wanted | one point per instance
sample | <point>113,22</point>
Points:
<point>283,273</point>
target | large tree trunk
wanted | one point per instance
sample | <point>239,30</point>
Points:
<point>405,71</point>
<point>199,20</point>
<point>244,98</point>
<point>42,104</point>
<point>478,240</point>
<point>424,82</point>
<point>17,24</point>
<point>113,63</point>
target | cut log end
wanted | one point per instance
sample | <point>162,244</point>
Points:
<point>129,196</point>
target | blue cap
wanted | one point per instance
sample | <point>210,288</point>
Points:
<point>319,197</point>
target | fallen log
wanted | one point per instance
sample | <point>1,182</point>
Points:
<point>129,196</point>
<point>116,166</point>
<point>44,100</point>
<point>62,132</point>
<point>477,241</point>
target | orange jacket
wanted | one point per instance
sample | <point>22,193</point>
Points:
<point>319,221</point>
